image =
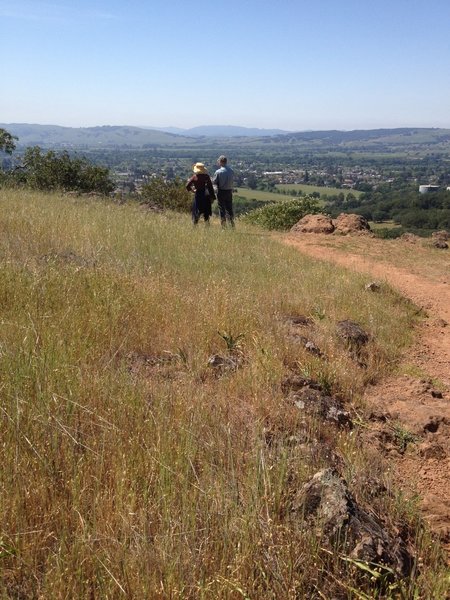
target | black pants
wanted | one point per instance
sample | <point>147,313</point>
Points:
<point>225,202</point>
<point>201,206</point>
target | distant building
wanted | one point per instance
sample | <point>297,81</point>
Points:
<point>424,189</point>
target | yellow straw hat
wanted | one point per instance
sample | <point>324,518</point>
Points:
<point>199,168</point>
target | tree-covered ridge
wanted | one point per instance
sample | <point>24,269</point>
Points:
<point>388,140</point>
<point>400,203</point>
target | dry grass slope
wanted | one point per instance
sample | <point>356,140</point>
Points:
<point>130,470</point>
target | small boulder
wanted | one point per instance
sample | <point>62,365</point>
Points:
<point>373,286</point>
<point>316,403</point>
<point>327,501</point>
<point>352,334</point>
<point>409,238</point>
<point>349,223</point>
<point>441,235</point>
<point>439,243</point>
<point>314,224</point>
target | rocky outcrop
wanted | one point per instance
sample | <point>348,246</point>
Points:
<point>314,224</point>
<point>441,235</point>
<point>347,224</point>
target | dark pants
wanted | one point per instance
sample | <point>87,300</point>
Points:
<point>201,206</point>
<point>225,202</point>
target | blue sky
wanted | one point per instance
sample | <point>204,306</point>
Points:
<point>304,64</point>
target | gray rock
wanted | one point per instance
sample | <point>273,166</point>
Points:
<point>326,501</point>
<point>317,403</point>
<point>373,286</point>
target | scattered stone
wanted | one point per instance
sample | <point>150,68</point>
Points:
<point>294,383</point>
<point>350,223</point>
<point>430,450</point>
<point>318,404</point>
<point>222,364</point>
<point>433,425</point>
<point>410,238</point>
<point>440,244</point>
<point>326,500</point>
<point>313,349</point>
<point>299,320</point>
<point>353,336</point>
<point>373,286</point>
<point>314,224</point>
<point>441,323</point>
<point>436,394</point>
<point>378,415</point>
<point>441,235</point>
<point>306,343</point>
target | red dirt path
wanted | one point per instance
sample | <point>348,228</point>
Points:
<point>422,403</point>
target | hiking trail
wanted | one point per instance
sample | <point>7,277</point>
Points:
<point>420,402</point>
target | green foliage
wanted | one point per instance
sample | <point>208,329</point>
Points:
<point>168,195</point>
<point>283,214</point>
<point>60,171</point>
<point>233,342</point>
<point>7,143</point>
<point>400,202</point>
<point>388,233</point>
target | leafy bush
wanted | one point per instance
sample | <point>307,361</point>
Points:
<point>283,214</point>
<point>389,233</point>
<point>168,195</point>
<point>53,171</point>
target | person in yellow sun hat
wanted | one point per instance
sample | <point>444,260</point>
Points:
<point>200,183</point>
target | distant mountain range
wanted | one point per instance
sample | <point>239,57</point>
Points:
<point>226,137</point>
<point>222,131</point>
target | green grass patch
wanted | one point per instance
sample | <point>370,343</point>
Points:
<point>309,189</point>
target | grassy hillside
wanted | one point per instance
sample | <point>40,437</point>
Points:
<point>131,468</point>
<point>371,141</point>
<point>93,137</point>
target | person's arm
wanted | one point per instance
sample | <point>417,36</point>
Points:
<point>190,184</point>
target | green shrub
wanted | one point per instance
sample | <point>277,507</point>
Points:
<point>59,171</point>
<point>389,233</point>
<point>168,195</point>
<point>283,214</point>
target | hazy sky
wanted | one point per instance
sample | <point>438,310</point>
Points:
<point>290,64</point>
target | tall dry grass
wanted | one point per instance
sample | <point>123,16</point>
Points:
<point>129,469</point>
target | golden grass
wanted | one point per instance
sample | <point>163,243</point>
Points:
<point>125,475</point>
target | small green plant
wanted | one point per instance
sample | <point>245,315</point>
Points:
<point>403,437</point>
<point>233,342</point>
<point>319,312</point>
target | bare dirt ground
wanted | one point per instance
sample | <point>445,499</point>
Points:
<point>418,404</point>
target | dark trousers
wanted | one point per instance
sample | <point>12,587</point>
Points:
<point>225,202</point>
<point>201,206</point>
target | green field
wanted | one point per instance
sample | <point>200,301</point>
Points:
<point>264,196</point>
<point>259,195</point>
<point>384,225</point>
<point>309,189</point>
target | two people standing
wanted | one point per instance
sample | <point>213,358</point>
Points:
<point>201,184</point>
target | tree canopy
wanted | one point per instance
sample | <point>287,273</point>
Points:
<point>7,143</point>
